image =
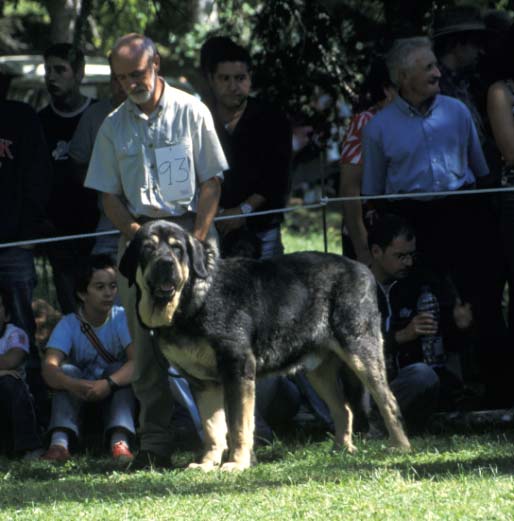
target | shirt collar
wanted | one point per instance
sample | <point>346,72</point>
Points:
<point>405,107</point>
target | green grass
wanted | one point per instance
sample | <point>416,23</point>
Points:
<point>303,230</point>
<point>454,477</point>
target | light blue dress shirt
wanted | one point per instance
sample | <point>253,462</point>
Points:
<point>409,152</point>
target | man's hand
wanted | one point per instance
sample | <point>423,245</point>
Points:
<point>229,225</point>
<point>462,314</point>
<point>422,324</point>
<point>80,388</point>
<point>99,390</point>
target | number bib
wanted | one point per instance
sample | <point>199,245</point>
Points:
<point>174,172</point>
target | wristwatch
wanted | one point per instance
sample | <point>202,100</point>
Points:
<point>245,208</point>
<point>112,384</point>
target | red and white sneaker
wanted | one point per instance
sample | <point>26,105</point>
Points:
<point>120,452</point>
<point>56,453</point>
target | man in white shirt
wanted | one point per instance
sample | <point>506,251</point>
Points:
<point>156,156</point>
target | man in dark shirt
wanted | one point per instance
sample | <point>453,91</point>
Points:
<point>416,380</point>
<point>72,208</point>
<point>25,180</point>
<point>257,141</point>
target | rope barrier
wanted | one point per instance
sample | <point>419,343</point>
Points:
<point>323,202</point>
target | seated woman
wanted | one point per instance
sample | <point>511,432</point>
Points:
<point>89,358</point>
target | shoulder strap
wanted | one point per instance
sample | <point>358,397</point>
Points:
<point>95,341</point>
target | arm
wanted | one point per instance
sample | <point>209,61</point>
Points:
<point>12,359</point>
<point>58,380</point>
<point>118,213</point>
<point>499,110</point>
<point>351,177</point>
<point>224,227</point>
<point>208,200</point>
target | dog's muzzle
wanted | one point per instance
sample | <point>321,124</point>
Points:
<point>162,279</point>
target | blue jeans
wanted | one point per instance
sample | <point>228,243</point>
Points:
<point>118,409</point>
<point>17,272</point>
<point>416,389</point>
<point>271,242</point>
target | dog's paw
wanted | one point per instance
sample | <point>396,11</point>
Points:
<point>345,447</point>
<point>232,466</point>
<point>207,466</point>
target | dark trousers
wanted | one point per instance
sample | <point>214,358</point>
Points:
<point>18,416</point>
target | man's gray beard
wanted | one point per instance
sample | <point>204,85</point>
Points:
<point>140,97</point>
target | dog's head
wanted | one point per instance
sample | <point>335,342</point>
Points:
<point>161,259</point>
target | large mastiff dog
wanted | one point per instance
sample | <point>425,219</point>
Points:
<point>225,322</point>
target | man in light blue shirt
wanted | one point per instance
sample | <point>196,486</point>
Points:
<point>422,141</point>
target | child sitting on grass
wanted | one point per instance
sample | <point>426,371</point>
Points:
<point>16,405</point>
<point>89,358</point>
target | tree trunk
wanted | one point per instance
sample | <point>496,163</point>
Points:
<point>63,14</point>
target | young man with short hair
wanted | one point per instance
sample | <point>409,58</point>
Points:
<point>72,209</point>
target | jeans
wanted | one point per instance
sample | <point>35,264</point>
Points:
<point>17,272</point>
<point>118,408</point>
<point>416,389</point>
<point>271,242</point>
<point>17,412</point>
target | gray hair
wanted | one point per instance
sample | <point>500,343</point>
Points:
<point>138,41</point>
<point>399,58</point>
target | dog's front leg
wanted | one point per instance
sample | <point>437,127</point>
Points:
<point>209,400</point>
<point>238,373</point>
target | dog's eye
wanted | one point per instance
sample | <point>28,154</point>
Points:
<point>154,238</point>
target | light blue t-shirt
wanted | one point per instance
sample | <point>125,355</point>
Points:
<point>114,335</point>
<point>408,152</point>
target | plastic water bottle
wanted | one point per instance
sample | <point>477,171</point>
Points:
<point>432,345</point>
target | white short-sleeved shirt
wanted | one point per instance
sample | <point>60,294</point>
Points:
<point>14,337</point>
<point>114,335</point>
<point>125,162</point>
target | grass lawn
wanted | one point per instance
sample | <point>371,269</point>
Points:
<point>453,477</point>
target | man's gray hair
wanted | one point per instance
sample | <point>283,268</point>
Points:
<point>399,58</point>
<point>136,40</point>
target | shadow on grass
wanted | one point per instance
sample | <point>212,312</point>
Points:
<point>281,467</point>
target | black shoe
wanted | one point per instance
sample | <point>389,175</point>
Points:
<point>147,460</point>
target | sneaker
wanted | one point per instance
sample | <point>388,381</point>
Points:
<point>120,452</point>
<point>56,453</point>
<point>146,460</point>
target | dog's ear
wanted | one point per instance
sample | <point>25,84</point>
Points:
<point>130,260</point>
<point>197,254</point>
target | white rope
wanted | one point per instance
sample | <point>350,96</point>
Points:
<point>323,201</point>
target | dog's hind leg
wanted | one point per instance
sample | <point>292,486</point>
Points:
<point>364,356</point>
<point>209,400</point>
<point>325,380</point>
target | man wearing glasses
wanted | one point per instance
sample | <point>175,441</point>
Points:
<point>156,157</point>
<point>420,382</point>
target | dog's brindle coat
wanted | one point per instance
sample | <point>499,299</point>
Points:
<point>224,322</point>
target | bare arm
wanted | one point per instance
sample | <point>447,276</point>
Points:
<point>12,359</point>
<point>123,376</point>
<point>254,200</point>
<point>351,178</point>
<point>499,110</point>
<point>208,200</point>
<point>57,379</point>
<point>118,213</point>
